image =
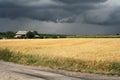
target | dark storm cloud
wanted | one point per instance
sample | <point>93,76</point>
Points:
<point>71,16</point>
<point>103,16</point>
<point>114,18</point>
<point>82,11</point>
<point>79,1</point>
<point>56,28</point>
<point>49,10</point>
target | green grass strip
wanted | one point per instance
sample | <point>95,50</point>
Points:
<point>101,67</point>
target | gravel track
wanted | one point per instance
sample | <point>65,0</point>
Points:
<point>10,71</point>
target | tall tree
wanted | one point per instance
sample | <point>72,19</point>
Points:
<point>10,34</point>
<point>30,34</point>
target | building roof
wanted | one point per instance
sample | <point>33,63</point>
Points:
<point>21,32</point>
<point>36,36</point>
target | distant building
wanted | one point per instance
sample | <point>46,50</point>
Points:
<point>36,36</point>
<point>21,34</point>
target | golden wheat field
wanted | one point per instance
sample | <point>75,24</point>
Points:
<point>84,49</point>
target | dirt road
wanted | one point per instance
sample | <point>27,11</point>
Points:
<point>10,71</point>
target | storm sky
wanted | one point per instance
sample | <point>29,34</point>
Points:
<point>61,16</point>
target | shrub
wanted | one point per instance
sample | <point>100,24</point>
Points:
<point>5,54</point>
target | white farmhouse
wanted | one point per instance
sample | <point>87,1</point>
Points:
<point>21,34</point>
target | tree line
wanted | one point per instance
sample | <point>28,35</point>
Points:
<point>29,35</point>
<point>8,34</point>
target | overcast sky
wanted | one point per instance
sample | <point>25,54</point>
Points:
<point>61,16</point>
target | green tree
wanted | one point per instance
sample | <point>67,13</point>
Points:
<point>35,33</point>
<point>30,35</point>
<point>10,34</point>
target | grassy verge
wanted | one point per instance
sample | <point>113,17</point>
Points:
<point>95,36</point>
<point>102,67</point>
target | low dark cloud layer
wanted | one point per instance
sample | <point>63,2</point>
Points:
<point>55,28</point>
<point>49,10</point>
<point>102,13</point>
